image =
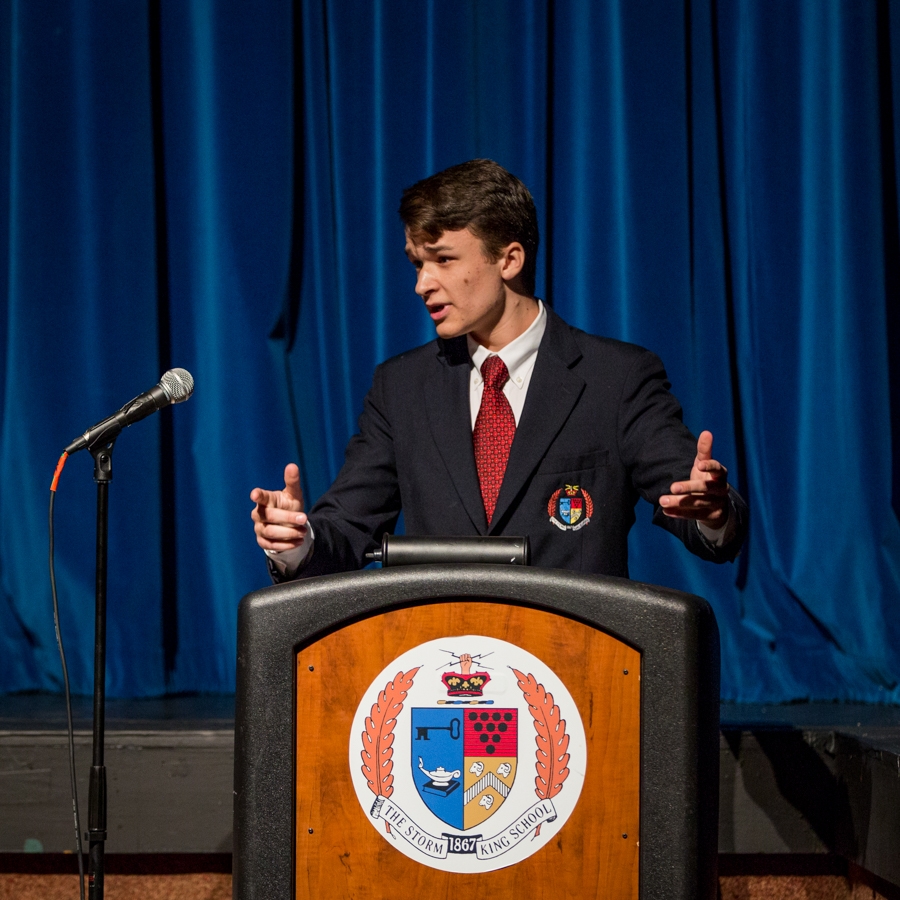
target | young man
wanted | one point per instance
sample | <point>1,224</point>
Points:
<point>511,422</point>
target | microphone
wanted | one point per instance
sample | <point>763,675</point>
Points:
<point>174,387</point>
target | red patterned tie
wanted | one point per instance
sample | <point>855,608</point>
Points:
<point>494,431</point>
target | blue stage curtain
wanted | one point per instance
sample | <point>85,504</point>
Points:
<point>199,184</point>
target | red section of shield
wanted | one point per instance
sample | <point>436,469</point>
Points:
<point>491,732</point>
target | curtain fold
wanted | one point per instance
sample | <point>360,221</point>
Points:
<point>199,185</point>
<point>81,335</point>
<point>227,120</point>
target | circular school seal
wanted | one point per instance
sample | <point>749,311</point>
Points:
<point>467,754</point>
<point>570,507</point>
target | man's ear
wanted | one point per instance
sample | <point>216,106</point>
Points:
<point>512,261</point>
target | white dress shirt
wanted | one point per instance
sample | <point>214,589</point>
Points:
<point>518,355</point>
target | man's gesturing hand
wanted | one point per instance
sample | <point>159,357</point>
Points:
<point>704,497</point>
<point>278,517</point>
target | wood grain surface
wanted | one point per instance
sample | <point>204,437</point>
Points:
<point>341,856</point>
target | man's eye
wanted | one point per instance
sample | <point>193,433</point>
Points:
<point>443,259</point>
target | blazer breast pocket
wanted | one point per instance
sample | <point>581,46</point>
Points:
<point>559,464</point>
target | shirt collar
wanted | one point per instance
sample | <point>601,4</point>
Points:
<point>518,354</point>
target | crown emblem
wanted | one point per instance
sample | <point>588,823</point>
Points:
<point>465,682</point>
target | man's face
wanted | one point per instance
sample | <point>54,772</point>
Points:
<point>463,290</point>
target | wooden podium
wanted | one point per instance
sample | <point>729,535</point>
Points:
<point>321,765</point>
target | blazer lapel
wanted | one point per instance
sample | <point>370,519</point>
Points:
<point>449,417</point>
<point>553,392</point>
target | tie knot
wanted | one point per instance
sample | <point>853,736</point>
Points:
<point>494,372</point>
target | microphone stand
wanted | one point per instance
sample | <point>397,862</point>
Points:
<point>96,835</point>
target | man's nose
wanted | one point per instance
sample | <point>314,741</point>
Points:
<point>424,283</point>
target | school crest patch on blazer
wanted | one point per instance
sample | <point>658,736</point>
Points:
<point>467,754</point>
<point>570,507</point>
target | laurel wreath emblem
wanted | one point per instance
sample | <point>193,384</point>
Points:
<point>551,506</point>
<point>551,757</point>
<point>588,502</point>
<point>378,738</point>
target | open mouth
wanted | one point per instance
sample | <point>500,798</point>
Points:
<point>438,312</point>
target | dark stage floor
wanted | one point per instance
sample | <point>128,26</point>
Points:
<point>46,712</point>
<point>875,726</point>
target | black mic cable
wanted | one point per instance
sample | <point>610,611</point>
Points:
<point>65,672</point>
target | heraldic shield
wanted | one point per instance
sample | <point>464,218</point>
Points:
<point>571,508</point>
<point>464,761</point>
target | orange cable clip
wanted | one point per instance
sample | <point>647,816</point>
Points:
<point>58,472</point>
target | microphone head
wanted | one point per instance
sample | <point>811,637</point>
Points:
<point>178,384</point>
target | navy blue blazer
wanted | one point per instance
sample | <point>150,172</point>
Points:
<point>599,430</point>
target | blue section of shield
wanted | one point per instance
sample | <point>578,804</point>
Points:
<point>437,739</point>
<point>565,509</point>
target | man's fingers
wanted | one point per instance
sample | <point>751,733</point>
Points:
<point>275,515</point>
<point>261,497</point>
<point>285,533</point>
<point>716,486</point>
<point>278,518</point>
<point>277,546</point>
<point>710,517</point>
<point>291,498</point>
<point>706,507</point>
<point>292,482</point>
<point>695,500</point>
<point>704,445</point>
